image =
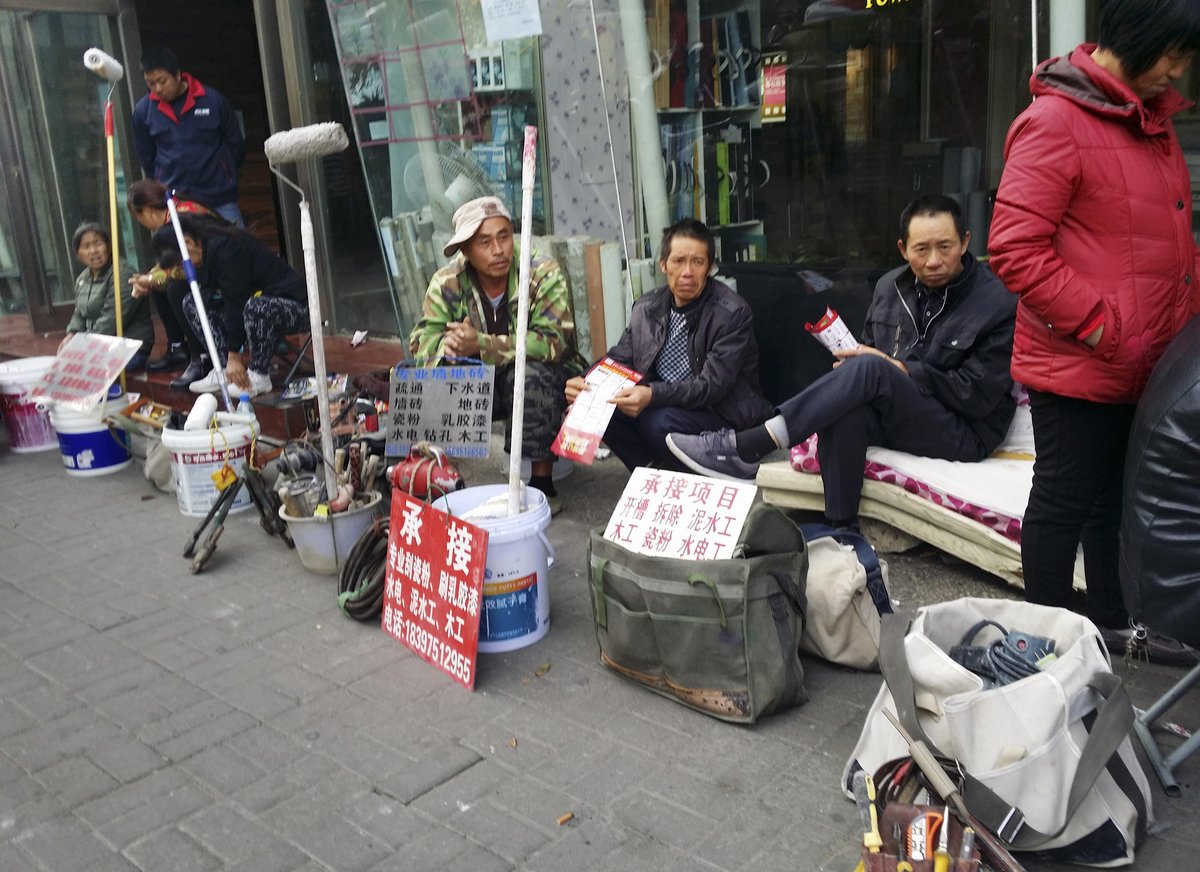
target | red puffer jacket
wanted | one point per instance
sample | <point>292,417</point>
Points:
<point>1093,224</point>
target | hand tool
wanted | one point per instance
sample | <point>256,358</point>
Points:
<point>941,857</point>
<point>902,864</point>
<point>864,795</point>
<point>996,852</point>
<point>920,835</point>
<point>968,843</point>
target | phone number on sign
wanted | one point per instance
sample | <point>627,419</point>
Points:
<point>437,651</point>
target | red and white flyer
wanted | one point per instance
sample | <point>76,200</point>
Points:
<point>677,514</point>
<point>587,419</point>
<point>832,332</point>
<point>433,588</point>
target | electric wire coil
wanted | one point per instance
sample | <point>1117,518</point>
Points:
<point>362,579</point>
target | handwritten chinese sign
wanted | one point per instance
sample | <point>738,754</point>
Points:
<point>433,585</point>
<point>680,515</point>
<point>588,417</point>
<point>450,406</point>
<point>83,370</point>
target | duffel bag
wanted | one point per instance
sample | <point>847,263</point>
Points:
<point>720,636</point>
<point>1046,759</point>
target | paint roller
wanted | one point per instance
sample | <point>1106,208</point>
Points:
<point>109,68</point>
<point>103,65</point>
<point>294,146</point>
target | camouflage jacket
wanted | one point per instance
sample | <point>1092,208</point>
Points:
<point>454,295</point>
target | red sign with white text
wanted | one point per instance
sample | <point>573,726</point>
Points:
<point>433,589</point>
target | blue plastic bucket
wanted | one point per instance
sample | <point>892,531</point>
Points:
<point>516,597</point>
<point>87,445</point>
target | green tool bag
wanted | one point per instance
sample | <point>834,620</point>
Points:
<point>720,636</point>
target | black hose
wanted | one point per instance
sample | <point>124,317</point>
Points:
<point>361,582</point>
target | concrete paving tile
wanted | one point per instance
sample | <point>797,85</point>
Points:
<point>76,780</point>
<point>125,758</point>
<point>267,747</point>
<point>580,845</point>
<point>434,851</point>
<point>327,836</point>
<point>283,784</point>
<point>437,767</point>
<point>462,792</point>
<point>222,770</point>
<point>14,720</point>
<point>382,815</point>
<point>171,849</point>
<point>65,844</point>
<point>131,797</point>
<point>179,736</point>
<point>132,672</point>
<point>53,633</point>
<point>241,840</point>
<point>661,820</point>
<point>132,709</point>
<point>16,677</point>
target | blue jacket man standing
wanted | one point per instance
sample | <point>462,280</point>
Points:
<point>187,136</point>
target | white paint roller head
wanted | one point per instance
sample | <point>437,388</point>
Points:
<point>103,65</point>
<point>302,143</point>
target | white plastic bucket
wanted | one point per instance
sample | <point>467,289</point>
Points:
<point>88,447</point>
<point>323,544</point>
<point>29,428</point>
<point>197,454</point>
<point>516,595</point>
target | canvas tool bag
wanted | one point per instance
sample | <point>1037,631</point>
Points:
<point>1046,761</point>
<point>720,636</point>
<point>847,594</point>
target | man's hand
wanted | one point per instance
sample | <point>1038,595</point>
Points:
<point>867,349</point>
<point>63,344</point>
<point>461,340</point>
<point>631,401</point>
<point>235,372</point>
<point>574,387</point>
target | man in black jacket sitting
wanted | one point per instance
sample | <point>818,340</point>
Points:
<point>693,341</point>
<point>931,376</point>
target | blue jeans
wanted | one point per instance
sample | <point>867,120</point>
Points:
<point>231,213</point>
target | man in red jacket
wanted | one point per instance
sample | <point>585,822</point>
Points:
<point>1093,229</point>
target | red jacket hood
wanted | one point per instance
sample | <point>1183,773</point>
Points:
<point>1080,79</point>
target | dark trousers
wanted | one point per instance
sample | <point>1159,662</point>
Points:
<point>545,404</point>
<point>1076,498</point>
<point>265,318</point>
<point>642,440</point>
<point>169,306</point>
<point>869,401</point>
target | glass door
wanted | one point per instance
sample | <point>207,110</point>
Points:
<point>53,144</point>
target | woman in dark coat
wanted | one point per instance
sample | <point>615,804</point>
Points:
<point>251,295</point>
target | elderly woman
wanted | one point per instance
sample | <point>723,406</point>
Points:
<point>95,302</point>
<point>251,295</point>
<point>147,202</point>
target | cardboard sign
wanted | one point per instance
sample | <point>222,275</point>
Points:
<point>433,587</point>
<point>450,406</point>
<point>83,370</point>
<point>588,417</point>
<point>677,514</point>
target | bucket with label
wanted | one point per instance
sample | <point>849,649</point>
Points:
<point>29,428</point>
<point>324,543</point>
<point>516,596</point>
<point>197,454</point>
<point>89,447</point>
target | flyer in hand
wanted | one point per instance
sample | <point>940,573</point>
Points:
<point>832,332</point>
<point>588,417</point>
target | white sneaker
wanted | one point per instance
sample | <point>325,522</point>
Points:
<point>260,382</point>
<point>206,385</point>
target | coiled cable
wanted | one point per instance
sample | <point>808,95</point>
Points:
<point>363,576</point>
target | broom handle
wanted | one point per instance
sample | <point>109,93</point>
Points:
<point>528,165</point>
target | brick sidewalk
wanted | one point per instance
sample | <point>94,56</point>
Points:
<point>155,720</point>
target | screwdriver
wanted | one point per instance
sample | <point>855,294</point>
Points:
<point>902,864</point>
<point>941,857</point>
<point>864,795</point>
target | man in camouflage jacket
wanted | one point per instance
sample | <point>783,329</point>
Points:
<point>470,310</point>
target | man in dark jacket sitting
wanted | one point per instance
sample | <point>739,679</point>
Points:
<point>693,341</point>
<point>930,378</point>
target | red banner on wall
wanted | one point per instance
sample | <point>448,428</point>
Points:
<point>433,589</point>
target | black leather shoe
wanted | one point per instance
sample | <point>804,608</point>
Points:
<point>196,369</point>
<point>176,356</point>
